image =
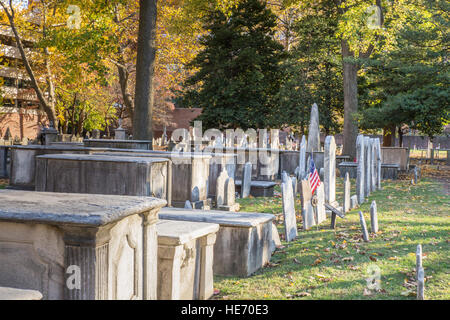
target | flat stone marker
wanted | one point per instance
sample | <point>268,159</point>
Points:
<point>290,222</point>
<point>374,217</point>
<point>347,189</point>
<point>112,239</point>
<point>360,175</point>
<point>365,233</point>
<point>19,294</point>
<point>246,180</point>
<point>244,240</point>
<point>185,259</point>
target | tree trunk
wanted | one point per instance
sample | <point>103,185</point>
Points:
<point>400,137</point>
<point>350,102</point>
<point>143,103</point>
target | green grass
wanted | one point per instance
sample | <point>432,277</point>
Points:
<point>331,264</point>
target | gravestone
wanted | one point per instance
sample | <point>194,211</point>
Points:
<point>246,180</point>
<point>274,139</point>
<point>347,189</point>
<point>353,201</point>
<point>284,177</point>
<point>330,171</point>
<point>290,222</point>
<point>420,284</point>
<point>322,174</point>
<point>294,185</point>
<point>418,258</point>
<point>373,168</point>
<point>379,162</point>
<point>188,205</point>
<point>415,175</point>
<point>360,179</point>
<point>320,207</point>
<point>95,134</point>
<point>365,233</point>
<point>229,203</point>
<point>367,166</point>
<point>302,160</point>
<point>220,188</point>
<point>307,208</point>
<point>374,217</point>
<point>314,131</point>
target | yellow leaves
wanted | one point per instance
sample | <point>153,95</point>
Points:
<point>317,261</point>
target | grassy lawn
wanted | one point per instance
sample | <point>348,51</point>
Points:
<point>332,264</point>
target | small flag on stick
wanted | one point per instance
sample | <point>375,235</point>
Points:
<point>313,177</point>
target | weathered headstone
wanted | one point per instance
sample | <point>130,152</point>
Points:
<point>229,203</point>
<point>274,138</point>
<point>360,179</point>
<point>416,175</point>
<point>373,166</point>
<point>322,174</point>
<point>302,160</point>
<point>294,185</point>
<point>367,166</point>
<point>220,188</point>
<point>418,258</point>
<point>188,205</point>
<point>307,208</point>
<point>290,222</point>
<point>347,189</point>
<point>374,217</point>
<point>246,180</point>
<point>314,131</point>
<point>320,207</point>
<point>420,284</point>
<point>353,201</point>
<point>284,177</point>
<point>330,171</point>
<point>378,152</point>
<point>365,233</point>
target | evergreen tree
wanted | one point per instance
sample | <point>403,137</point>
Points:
<point>313,74</point>
<point>239,70</point>
<point>409,84</point>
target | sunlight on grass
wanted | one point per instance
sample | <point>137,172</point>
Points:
<point>332,264</point>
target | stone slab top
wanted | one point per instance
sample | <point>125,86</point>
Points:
<point>118,141</point>
<point>52,147</point>
<point>19,294</point>
<point>258,184</point>
<point>172,232</point>
<point>152,153</point>
<point>348,164</point>
<point>71,208</point>
<point>223,218</point>
<point>103,157</point>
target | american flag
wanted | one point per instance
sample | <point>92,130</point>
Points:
<point>313,178</point>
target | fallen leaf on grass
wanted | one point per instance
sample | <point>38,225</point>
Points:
<point>348,259</point>
<point>296,261</point>
<point>373,259</point>
<point>318,261</point>
<point>216,292</point>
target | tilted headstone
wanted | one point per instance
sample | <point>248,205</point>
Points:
<point>347,189</point>
<point>314,130</point>
<point>374,217</point>
<point>330,170</point>
<point>360,175</point>
<point>365,233</point>
<point>290,222</point>
<point>307,208</point>
<point>302,160</point>
<point>246,180</point>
